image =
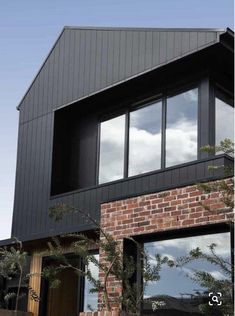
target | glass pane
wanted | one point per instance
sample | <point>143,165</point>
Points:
<point>181,128</point>
<point>145,139</point>
<point>112,138</point>
<point>91,299</point>
<point>176,291</point>
<point>224,121</point>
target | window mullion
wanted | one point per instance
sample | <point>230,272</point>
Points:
<point>163,132</point>
<point>126,146</point>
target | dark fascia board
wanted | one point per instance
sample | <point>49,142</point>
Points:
<point>166,29</point>
<point>224,30</point>
<point>7,242</point>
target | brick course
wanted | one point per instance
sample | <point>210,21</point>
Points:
<point>173,209</point>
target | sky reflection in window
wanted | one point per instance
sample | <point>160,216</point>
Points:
<point>181,128</point>
<point>175,285</point>
<point>91,299</point>
<point>224,121</point>
<point>145,139</point>
<point>112,138</point>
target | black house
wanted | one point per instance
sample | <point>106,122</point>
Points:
<point>117,116</point>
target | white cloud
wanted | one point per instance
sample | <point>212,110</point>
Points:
<point>217,275</point>
<point>191,95</point>
<point>184,245</point>
<point>145,148</point>
<point>145,151</point>
<point>181,142</point>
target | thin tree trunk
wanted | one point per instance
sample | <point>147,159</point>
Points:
<point>18,290</point>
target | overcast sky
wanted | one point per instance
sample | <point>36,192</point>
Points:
<point>28,30</point>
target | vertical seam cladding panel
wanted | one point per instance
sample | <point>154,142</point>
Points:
<point>177,45</point>
<point>60,71</point>
<point>156,48</point>
<point>170,45</point>
<point>55,75</point>
<point>128,54</point>
<point>148,50</point>
<point>82,50</point>
<point>122,55</point>
<point>50,82</point>
<point>142,51</point>
<point>47,163</point>
<point>87,65</point>
<point>135,53</point>
<point>45,87</point>
<point>163,43</point>
<point>76,68</point>
<point>36,194</point>
<point>110,47</point>
<point>18,178</point>
<point>31,176</point>
<point>92,72</point>
<point>98,70</point>
<point>67,71</point>
<point>185,42</point>
<point>39,188</point>
<point>116,57</point>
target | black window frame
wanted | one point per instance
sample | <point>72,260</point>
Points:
<point>135,105</point>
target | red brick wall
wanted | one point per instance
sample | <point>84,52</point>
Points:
<point>169,210</point>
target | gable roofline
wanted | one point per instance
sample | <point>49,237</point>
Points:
<point>218,30</point>
<point>40,68</point>
<point>161,29</point>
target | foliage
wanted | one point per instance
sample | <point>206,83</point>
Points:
<point>122,266</point>
<point>225,187</point>
<point>203,278</point>
<point>117,264</point>
<point>207,281</point>
<point>12,266</point>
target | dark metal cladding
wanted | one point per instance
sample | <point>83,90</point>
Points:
<point>85,60</point>
<point>134,64</point>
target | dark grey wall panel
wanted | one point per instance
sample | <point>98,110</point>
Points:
<point>84,61</point>
<point>33,178</point>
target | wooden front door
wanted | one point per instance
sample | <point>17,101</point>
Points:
<point>62,301</point>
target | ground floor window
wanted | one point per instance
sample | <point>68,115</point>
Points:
<point>91,298</point>
<point>204,267</point>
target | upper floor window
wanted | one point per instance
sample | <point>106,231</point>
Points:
<point>160,134</point>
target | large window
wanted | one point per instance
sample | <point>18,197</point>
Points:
<point>160,134</point>
<point>178,292</point>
